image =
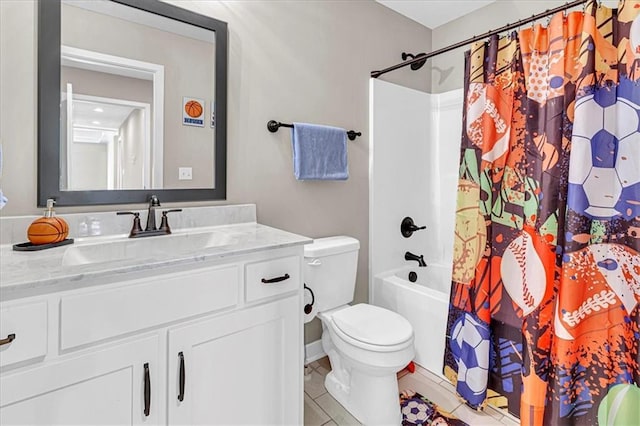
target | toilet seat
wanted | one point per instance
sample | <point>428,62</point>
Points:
<point>372,328</point>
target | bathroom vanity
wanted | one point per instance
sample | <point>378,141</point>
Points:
<point>208,333</point>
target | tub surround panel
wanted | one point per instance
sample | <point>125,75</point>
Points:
<point>414,172</point>
<point>446,117</point>
<point>414,162</point>
<point>400,172</point>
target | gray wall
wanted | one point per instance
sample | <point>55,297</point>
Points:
<point>289,61</point>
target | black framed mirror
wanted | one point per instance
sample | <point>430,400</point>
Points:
<point>179,137</point>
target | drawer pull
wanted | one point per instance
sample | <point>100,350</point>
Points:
<point>147,390</point>
<point>276,279</point>
<point>10,338</point>
<point>182,378</point>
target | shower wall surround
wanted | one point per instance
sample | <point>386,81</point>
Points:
<point>414,169</point>
<point>414,156</point>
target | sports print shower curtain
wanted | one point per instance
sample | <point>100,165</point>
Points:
<point>545,301</point>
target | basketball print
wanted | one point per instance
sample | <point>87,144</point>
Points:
<point>47,230</point>
<point>193,109</point>
<point>192,112</point>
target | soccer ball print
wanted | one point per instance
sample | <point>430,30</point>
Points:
<point>416,411</point>
<point>470,347</point>
<point>604,170</point>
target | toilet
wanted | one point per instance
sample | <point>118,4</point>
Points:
<point>367,345</point>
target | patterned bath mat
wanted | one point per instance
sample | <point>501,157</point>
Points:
<point>418,410</point>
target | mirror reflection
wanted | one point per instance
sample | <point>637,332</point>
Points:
<point>137,93</point>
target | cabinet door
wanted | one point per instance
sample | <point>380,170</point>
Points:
<point>105,387</point>
<point>240,368</point>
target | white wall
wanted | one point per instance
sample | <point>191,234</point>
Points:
<point>414,172</point>
<point>446,135</point>
<point>400,166</point>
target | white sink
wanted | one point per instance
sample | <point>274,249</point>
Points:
<point>145,247</point>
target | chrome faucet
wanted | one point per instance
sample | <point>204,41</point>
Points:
<point>420,259</point>
<point>151,214</point>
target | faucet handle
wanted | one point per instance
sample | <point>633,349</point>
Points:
<point>407,227</point>
<point>136,228</point>
<point>164,224</point>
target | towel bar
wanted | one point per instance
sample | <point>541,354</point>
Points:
<point>273,127</point>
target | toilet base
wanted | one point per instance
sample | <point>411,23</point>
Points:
<point>372,400</point>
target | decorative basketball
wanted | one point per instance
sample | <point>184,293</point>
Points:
<point>46,230</point>
<point>193,109</point>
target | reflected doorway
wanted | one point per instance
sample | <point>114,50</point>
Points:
<point>108,143</point>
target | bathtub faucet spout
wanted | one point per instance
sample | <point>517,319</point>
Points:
<point>420,259</point>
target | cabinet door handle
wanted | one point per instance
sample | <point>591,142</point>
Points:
<point>10,338</point>
<point>276,279</point>
<point>147,390</point>
<point>181,384</point>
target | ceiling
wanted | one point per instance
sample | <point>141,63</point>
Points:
<point>97,122</point>
<point>433,13</point>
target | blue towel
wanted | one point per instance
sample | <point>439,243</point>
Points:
<point>319,152</point>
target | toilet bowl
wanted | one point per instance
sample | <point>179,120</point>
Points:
<point>367,345</point>
<point>364,361</point>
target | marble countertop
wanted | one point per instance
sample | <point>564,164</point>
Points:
<point>39,272</point>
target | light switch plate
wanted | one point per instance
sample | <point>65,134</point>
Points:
<point>184,173</point>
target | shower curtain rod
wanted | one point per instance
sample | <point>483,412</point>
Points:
<point>376,74</point>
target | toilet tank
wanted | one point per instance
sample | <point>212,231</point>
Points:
<point>330,266</point>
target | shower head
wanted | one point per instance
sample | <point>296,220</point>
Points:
<point>416,65</point>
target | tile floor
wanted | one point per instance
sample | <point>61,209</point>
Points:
<point>320,409</point>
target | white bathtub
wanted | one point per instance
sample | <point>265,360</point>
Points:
<point>425,303</point>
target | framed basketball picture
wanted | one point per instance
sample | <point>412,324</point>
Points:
<point>192,112</point>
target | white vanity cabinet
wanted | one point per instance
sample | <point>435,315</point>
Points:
<point>237,368</point>
<point>112,386</point>
<point>211,342</point>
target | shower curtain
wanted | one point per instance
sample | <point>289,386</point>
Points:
<point>545,301</point>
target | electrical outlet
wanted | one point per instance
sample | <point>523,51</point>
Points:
<point>184,173</point>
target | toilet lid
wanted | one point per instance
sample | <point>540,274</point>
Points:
<point>373,325</point>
